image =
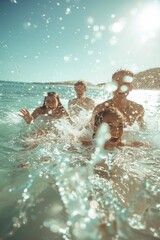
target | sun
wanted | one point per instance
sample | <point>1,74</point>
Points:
<point>149,19</point>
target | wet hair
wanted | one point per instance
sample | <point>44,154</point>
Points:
<point>109,110</point>
<point>56,96</point>
<point>81,82</point>
<point>120,74</point>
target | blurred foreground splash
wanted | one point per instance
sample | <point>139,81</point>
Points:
<point>58,192</point>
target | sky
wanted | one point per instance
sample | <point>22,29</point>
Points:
<point>68,40</point>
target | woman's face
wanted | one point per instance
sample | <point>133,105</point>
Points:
<point>51,102</point>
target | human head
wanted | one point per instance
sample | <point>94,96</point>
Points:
<point>51,101</point>
<point>114,119</point>
<point>80,87</point>
<point>123,81</point>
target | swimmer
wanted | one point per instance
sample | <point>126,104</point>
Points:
<point>51,107</point>
<point>132,112</point>
<point>114,120</point>
<point>81,102</point>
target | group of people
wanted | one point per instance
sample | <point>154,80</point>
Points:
<point>117,112</point>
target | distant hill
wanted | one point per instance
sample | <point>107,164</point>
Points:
<point>149,79</point>
<point>65,83</point>
<point>101,84</point>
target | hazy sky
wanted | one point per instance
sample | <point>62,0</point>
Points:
<point>58,40</point>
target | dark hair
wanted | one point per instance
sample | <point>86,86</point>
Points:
<point>56,96</point>
<point>109,110</point>
<point>121,73</point>
<point>81,82</point>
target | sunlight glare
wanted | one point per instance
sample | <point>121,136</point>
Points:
<point>149,19</point>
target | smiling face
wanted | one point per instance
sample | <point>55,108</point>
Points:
<point>114,119</point>
<point>115,124</point>
<point>123,81</point>
<point>51,102</point>
<point>123,90</point>
<point>80,89</point>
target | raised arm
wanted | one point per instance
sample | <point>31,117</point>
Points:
<point>29,117</point>
<point>26,115</point>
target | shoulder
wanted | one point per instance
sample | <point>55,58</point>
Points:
<point>72,101</point>
<point>90,101</point>
<point>39,109</point>
<point>37,112</point>
<point>102,106</point>
<point>136,106</point>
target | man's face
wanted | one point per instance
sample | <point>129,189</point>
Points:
<point>124,86</point>
<point>80,89</point>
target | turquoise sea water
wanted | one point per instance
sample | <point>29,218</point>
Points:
<point>58,196</point>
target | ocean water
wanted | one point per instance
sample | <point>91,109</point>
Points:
<point>58,196</point>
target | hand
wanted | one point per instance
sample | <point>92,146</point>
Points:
<point>26,115</point>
